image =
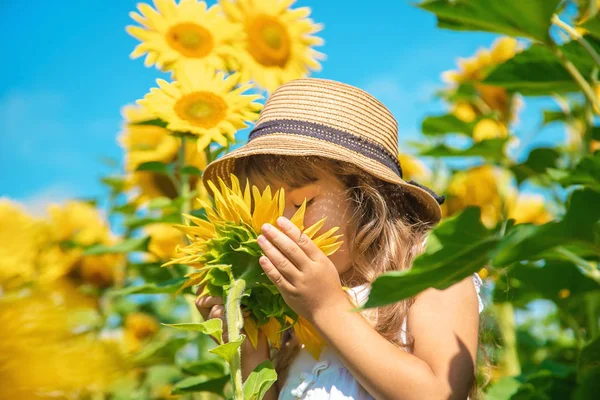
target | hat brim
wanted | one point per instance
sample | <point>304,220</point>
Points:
<point>297,145</point>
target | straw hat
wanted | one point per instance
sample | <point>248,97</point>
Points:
<point>322,117</point>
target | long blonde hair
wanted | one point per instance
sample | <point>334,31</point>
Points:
<point>385,234</point>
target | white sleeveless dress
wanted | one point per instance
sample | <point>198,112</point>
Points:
<point>328,378</point>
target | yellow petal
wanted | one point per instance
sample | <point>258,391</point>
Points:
<point>251,330</point>
<point>272,330</point>
<point>309,337</point>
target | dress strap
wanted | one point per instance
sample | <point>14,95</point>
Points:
<point>478,284</point>
<point>309,379</point>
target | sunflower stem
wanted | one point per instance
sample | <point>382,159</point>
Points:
<point>185,182</point>
<point>235,323</point>
<point>575,74</point>
<point>577,36</point>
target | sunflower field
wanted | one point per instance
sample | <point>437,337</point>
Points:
<point>98,302</point>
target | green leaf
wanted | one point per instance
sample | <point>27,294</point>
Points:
<point>592,25</point>
<point>212,327</point>
<point>465,248</point>
<point>190,170</point>
<point>538,72</point>
<point>209,368</point>
<point>155,166</point>
<point>492,149</point>
<point>116,183</point>
<point>503,389</point>
<point>448,123</point>
<point>126,246</point>
<point>586,173</point>
<point>259,381</point>
<point>159,203</point>
<point>227,351</point>
<point>159,352</point>
<point>135,222</point>
<point>553,277</point>
<point>153,122</point>
<point>530,19</point>
<point>537,162</point>
<point>128,208</point>
<point>201,384</point>
<point>170,286</point>
<point>595,132</point>
<point>579,226</point>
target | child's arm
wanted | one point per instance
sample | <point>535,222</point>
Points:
<point>252,357</point>
<point>445,327</point>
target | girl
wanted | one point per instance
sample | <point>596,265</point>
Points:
<point>336,146</point>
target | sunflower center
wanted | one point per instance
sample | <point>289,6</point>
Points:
<point>203,109</point>
<point>190,39</point>
<point>268,41</point>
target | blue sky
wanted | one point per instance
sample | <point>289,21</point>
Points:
<point>69,73</point>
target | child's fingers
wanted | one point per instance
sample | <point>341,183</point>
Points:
<point>311,250</point>
<point>204,304</point>
<point>274,275</point>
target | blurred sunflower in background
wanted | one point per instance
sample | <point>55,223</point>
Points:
<point>277,43</point>
<point>51,331</point>
<point>499,107</point>
<point>145,142</point>
<point>190,33</point>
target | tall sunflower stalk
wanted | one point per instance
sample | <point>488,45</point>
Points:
<point>224,253</point>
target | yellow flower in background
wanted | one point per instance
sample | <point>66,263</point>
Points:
<point>102,270</point>
<point>185,33</point>
<point>484,186</point>
<point>142,325</point>
<point>45,350</point>
<point>145,143</point>
<point>151,186</point>
<point>413,168</point>
<point>464,111</point>
<point>79,222</point>
<point>138,327</point>
<point>528,208</point>
<point>164,238</point>
<point>204,104</point>
<point>489,129</point>
<point>278,42</point>
<point>20,240</point>
<point>474,70</point>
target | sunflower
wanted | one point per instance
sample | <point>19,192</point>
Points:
<point>413,168</point>
<point>19,244</point>
<point>78,222</point>
<point>474,70</point>
<point>529,208</point>
<point>223,247</point>
<point>278,41</point>
<point>50,330</point>
<point>185,33</point>
<point>145,143</point>
<point>204,104</point>
<point>489,129</point>
<point>486,186</point>
<point>164,238</point>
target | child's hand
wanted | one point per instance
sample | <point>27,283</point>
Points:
<point>213,307</point>
<point>305,276</point>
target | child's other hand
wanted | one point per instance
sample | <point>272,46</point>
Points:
<point>305,276</point>
<point>213,307</point>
